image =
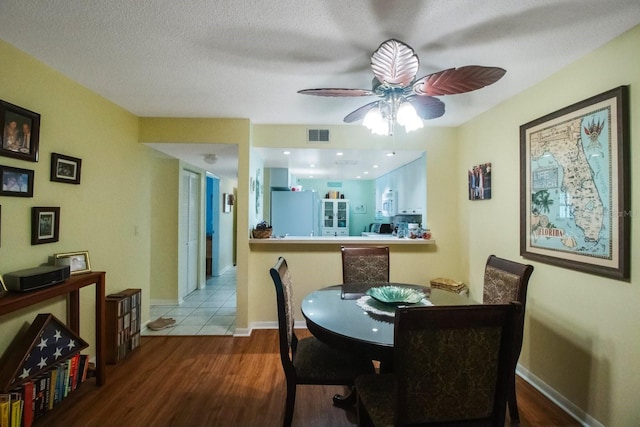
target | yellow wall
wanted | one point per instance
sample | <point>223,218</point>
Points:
<point>581,330</point>
<point>107,214</point>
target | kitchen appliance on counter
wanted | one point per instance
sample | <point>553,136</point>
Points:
<point>377,228</point>
<point>295,213</point>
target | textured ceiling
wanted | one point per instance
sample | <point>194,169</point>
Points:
<point>248,58</point>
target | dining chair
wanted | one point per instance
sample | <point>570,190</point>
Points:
<point>506,281</point>
<point>308,360</point>
<point>365,264</point>
<point>451,367</point>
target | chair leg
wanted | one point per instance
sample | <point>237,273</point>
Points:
<point>289,406</point>
<point>514,416</point>
<point>345,400</point>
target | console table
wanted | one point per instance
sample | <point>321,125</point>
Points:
<point>14,301</point>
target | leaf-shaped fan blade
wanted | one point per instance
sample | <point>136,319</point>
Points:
<point>359,114</point>
<point>427,107</point>
<point>337,92</point>
<point>394,63</point>
<point>457,80</point>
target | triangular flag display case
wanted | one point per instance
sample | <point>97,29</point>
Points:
<point>47,342</point>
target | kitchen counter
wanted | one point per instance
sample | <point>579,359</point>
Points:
<point>386,239</point>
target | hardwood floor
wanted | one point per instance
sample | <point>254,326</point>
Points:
<point>223,381</point>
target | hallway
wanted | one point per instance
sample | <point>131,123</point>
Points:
<point>208,311</point>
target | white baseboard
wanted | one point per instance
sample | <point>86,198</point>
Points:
<point>246,332</point>
<point>569,407</point>
<point>164,302</point>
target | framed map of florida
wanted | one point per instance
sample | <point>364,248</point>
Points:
<point>574,186</point>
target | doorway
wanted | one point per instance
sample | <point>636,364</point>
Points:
<point>189,216</point>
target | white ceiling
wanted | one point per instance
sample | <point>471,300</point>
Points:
<point>248,58</point>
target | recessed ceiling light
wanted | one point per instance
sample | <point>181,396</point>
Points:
<point>339,153</point>
<point>358,177</point>
<point>393,153</point>
<point>375,166</point>
<point>286,153</point>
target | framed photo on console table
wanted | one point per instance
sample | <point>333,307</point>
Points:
<point>20,132</point>
<point>574,186</point>
<point>77,261</point>
<point>45,225</point>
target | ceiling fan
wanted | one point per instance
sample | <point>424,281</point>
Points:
<point>403,98</point>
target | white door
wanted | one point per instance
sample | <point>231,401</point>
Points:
<point>190,211</point>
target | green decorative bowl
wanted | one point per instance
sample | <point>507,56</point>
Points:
<point>396,295</point>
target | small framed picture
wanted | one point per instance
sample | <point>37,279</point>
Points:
<point>480,182</point>
<point>45,225</point>
<point>16,182</point>
<point>20,132</point>
<point>77,261</point>
<point>65,168</point>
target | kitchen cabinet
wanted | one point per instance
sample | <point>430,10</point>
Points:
<point>411,193</point>
<point>335,217</point>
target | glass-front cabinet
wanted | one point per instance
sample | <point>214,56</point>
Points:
<point>335,217</point>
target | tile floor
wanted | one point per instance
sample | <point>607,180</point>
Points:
<point>208,311</point>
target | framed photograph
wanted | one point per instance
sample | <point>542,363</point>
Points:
<point>65,168</point>
<point>45,225</point>
<point>575,186</point>
<point>16,182</point>
<point>480,182</point>
<point>20,132</point>
<point>77,261</point>
<point>226,206</point>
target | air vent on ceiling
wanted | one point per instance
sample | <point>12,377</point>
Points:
<point>317,135</point>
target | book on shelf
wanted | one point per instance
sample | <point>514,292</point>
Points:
<point>5,410</point>
<point>28,393</point>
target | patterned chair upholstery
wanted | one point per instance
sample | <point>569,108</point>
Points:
<point>308,360</point>
<point>451,365</point>
<point>506,281</point>
<point>365,265</point>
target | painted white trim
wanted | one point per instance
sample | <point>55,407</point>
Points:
<point>246,332</point>
<point>565,404</point>
<point>165,302</point>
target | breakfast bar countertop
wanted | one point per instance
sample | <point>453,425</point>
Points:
<point>348,240</point>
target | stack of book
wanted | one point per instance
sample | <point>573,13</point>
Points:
<point>21,406</point>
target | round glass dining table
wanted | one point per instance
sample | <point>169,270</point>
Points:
<point>335,316</point>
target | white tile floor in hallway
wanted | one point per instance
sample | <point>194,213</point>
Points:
<point>208,311</point>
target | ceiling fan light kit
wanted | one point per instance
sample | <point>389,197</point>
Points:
<point>403,98</point>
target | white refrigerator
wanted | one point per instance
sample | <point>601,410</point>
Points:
<point>295,213</point>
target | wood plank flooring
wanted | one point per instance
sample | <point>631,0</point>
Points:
<point>223,381</point>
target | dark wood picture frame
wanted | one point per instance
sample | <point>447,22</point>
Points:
<point>45,225</point>
<point>20,137</point>
<point>575,187</point>
<point>13,184</point>
<point>65,168</point>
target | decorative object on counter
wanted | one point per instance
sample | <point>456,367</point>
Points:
<point>78,262</point>
<point>450,285</point>
<point>575,206</point>
<point>262,231</point>
<point>20,132</point>
<point>45,225</point>
<point>65,169</point>
<point>16,182</point>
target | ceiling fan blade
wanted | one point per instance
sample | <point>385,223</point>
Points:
<point>395,63</point>
<point>337,92</point>
<point>359,114</point>
<point>427,107</point>
<point>457,80</point>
